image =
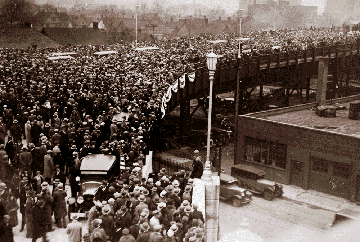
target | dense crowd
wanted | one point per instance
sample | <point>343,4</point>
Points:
<point>53,113</point>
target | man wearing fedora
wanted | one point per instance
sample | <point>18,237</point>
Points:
<point>48,207</point>
<point>156,235</point>
<point>74,230</point>
<point>107,221</point>
<point>144,232</point>
<point>126,236</point>
<point>60,206</point>
<point>140,207</point>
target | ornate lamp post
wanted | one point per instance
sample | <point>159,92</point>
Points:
<point>136,30</point>
<point>211,64</point>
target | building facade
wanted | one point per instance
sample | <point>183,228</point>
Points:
<point>292,148</point>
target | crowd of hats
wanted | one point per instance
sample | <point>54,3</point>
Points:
<point>167,196</point>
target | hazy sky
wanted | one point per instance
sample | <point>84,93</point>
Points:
<point>229,6</point>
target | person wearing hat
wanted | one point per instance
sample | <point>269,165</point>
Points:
<point>58,173</point>
<point>46,196</point>
<point>156,235</point>
<point>144,232</point>
<point>126,236</point>
<point>97,231</point>
<point>74,230</point>
<point>30,203</point>
<point>25,160</point>
<point>48,167</point>
<point>94,213</point>
<point>107,221</point>
<point>37,181</point>
<point>140,207</point>
<point>27,132</point>
<point>196,214</point>
<point>123,219</point>
<point>60,212</point>
<point>155,220</point>
<point>198,168</point>
<point>187,193</point>
<point>16,131</point>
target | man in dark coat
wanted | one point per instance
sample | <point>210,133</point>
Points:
<point>48,207</point>
<point>16,131</point>
<point>74,184</point>
<point>6,234</point>
<point>59,175</point>
<point>59,196</point>
<point>39,219</point>
<point>197,168</point>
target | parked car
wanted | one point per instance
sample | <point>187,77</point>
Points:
<point>253,179</point>
<point>230,190</point>
<point>94,169</point>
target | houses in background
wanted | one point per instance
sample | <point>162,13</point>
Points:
<point>149,24</point>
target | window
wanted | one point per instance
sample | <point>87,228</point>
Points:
<point>320,165</point>
<point>265,152</point>
<point>342,170</point>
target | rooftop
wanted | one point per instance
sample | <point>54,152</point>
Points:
<point>305,116</point>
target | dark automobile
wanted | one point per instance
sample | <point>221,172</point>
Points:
<point>253,179</point>
<point>230,190</point>
<point>94,169</point>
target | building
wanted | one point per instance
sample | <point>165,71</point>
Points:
<point>51,20</point>
<point>294,145</point>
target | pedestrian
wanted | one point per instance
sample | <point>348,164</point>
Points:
<point>37,181</point>
<point>156,235</point>
<point>48,167</point>
<point>126,236</point>
<point>6,230</point>
<point>29,209</point>
<point>98,231</point>
<point>144,233</point>
<point>74,230</point>
<point>28,132</point>
<point>60,206</point>
<point>11,207</point>
<point>48,207</point>
<point>24,193</point>
<point>39,219</point>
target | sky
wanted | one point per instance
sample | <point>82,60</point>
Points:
<point>229,6</point>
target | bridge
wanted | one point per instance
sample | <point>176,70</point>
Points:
<point>290,72</point>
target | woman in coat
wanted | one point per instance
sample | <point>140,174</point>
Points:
<point>30,203</point>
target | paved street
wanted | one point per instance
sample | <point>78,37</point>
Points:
<point>282,220</point>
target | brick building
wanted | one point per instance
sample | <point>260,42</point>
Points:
<point>294,145</point>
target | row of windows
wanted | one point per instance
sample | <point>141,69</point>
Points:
<point>274,154</point>
<point>338,169</point>
<point>265,152</point>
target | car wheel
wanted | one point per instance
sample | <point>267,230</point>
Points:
<point>269,195</point>
<point>236,202</point>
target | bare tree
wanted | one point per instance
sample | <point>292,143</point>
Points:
<point>17,11</point>
<point>110,14</point>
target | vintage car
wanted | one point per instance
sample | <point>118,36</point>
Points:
<point>94,169</point>
<point>230,190</point>
<point>253,179</point>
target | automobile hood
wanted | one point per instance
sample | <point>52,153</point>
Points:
<point>238,189</point>
<point>90,191</point>
<point>267,182</point>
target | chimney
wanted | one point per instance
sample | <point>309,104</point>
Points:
<point>172,19</point>
<point>219,18</point>
<point>206,20</point>
<point>229,19</point>
<point>95,25</point>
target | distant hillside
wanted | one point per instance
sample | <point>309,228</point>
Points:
<point>24,38</point>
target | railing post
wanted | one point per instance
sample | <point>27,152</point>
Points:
<point>322,80</point>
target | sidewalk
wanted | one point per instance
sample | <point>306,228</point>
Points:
<point>319,200</point>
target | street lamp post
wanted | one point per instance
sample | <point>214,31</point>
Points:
<point>275,18</point>
<point>211,64</point>
<point>240,15</point>
<point>136,30</point>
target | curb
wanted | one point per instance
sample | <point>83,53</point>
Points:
<point>306,204</point>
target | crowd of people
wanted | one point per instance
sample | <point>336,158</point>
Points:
<point>53,113</point>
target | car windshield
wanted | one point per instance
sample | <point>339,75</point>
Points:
<point>90,185</point>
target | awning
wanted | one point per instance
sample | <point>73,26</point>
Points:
<point>218,41</point>
<point>147,48</point>
<point>105,52</point>
<point>64,53</point>
<point>60,57</point>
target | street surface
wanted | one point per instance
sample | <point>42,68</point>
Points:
<point>281,220</point>
<point>274,221</point>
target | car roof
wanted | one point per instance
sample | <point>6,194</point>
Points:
<point>97,164</point>
<point>225,177</point>
<point>248,168</point>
